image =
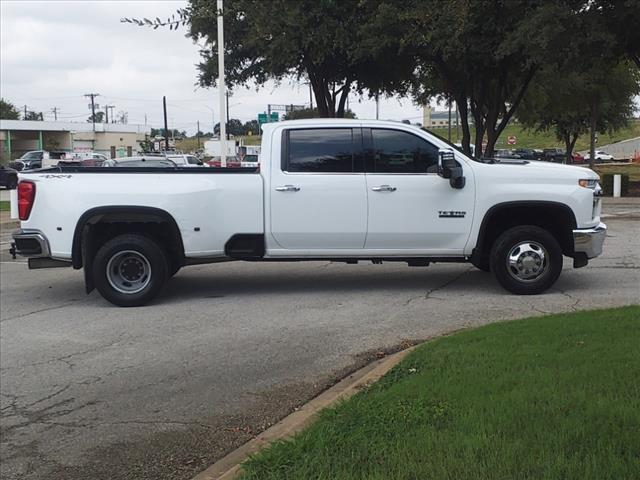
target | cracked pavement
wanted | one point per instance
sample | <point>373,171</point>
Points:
<point>88,390</point>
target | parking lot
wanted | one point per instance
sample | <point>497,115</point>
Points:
<point>94,391</point>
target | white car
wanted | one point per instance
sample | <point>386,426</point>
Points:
<point>182,160</point>
<point>599,155</point>
<point>329,189</point>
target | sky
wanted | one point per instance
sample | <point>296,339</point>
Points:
<point>53,52</point>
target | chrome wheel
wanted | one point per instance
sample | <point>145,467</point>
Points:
<point>128,271</point>
<point>527,261</point>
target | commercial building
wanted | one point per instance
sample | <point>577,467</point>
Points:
<point>438,119</point>
<point>111,139</point>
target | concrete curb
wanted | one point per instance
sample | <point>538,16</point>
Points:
<point>229,468</point>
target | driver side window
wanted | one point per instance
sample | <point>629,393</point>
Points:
<point>396,151</point>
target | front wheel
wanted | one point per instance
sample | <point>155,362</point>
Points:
<point>526,260</point>
<point>130,270</point>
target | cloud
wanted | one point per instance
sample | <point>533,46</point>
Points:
<point>53,52</point>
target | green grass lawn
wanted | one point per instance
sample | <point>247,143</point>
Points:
<point>631,169</point>
<point>556,397</point>
<point>5,205</point>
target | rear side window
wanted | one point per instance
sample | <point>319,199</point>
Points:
<point>324,150</point>
<point>395,151</point>
<point>192,160</point>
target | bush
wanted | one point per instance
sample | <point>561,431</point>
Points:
<point>607,184</point>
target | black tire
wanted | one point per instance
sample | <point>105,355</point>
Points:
<point>130,270</point>
<point>529,245</point>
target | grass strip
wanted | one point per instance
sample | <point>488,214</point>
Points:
<point>545,398</point>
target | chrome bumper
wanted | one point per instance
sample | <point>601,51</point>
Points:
<point>589,241</point>
<point>30,243</point>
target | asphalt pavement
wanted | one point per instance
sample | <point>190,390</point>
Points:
<point>88,390</point>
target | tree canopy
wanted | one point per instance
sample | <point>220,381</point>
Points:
<point>484,55</point>
<point>8,111</point>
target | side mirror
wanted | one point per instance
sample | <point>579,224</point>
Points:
<point>448,167</point>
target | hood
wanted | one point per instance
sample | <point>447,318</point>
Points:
<point>548,169</point>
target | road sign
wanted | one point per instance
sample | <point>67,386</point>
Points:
<point>511,140</point>
<point>263,118</point>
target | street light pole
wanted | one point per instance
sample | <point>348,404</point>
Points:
<point>222,92</point>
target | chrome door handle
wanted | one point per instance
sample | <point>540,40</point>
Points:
<point>288,188</point>
<point>384,188</point>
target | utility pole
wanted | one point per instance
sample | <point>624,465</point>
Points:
<point>310,96</point>
<point>113,117</point>
<point>377,106</point>
<point>93,107</point>
<point>198,133</point>
<point>457,124</point>
<point>25,113</point>
<point>55,113</point>
<point>227,112</point>
<point>223,89</point>
<point>449,121</point>
<point>166,128</point>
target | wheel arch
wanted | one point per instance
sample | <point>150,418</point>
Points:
<point>155,222</point>
<point>556,217</point>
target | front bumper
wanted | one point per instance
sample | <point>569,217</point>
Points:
<point>588,242</point>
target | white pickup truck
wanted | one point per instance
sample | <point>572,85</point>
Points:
<point>340,190</point>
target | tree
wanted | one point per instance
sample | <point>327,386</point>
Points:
<point>621,18</point>
<point>312,113</point>
<point>252,126</point>
<point>99,117</point>
<point>8,111</point>
<point>234,127</point>
<point>481,54</point>
<point>37,116</point>
<point>324,42</point>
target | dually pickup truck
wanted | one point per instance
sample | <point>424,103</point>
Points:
<point>339,190</point>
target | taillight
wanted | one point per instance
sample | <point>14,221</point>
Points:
<point>26,196</point>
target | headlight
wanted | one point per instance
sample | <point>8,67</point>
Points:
<point>591,183</point>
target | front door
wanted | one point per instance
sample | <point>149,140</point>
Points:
<point>318,193</point>
<point>411,208</point>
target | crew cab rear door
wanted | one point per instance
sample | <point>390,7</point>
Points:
<point>412,208</point>
<point>317,190</point>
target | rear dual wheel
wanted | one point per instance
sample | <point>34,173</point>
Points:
<point>130,270</point>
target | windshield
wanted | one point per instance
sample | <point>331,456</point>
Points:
<point>32,156</point>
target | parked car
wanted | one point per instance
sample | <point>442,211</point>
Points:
<point>8,177</point>
<point>250,160</point>
<point>599,156</point>
<point>556,155</point>
<point>32,160</point>
<point>232,162</point>
<point>317,195</point>
<point>16,165</point>
<point>576,158</point>
<point>505,154</point>
<point>529,153</point>
<point>182,160</point>
<point>140,162</point>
